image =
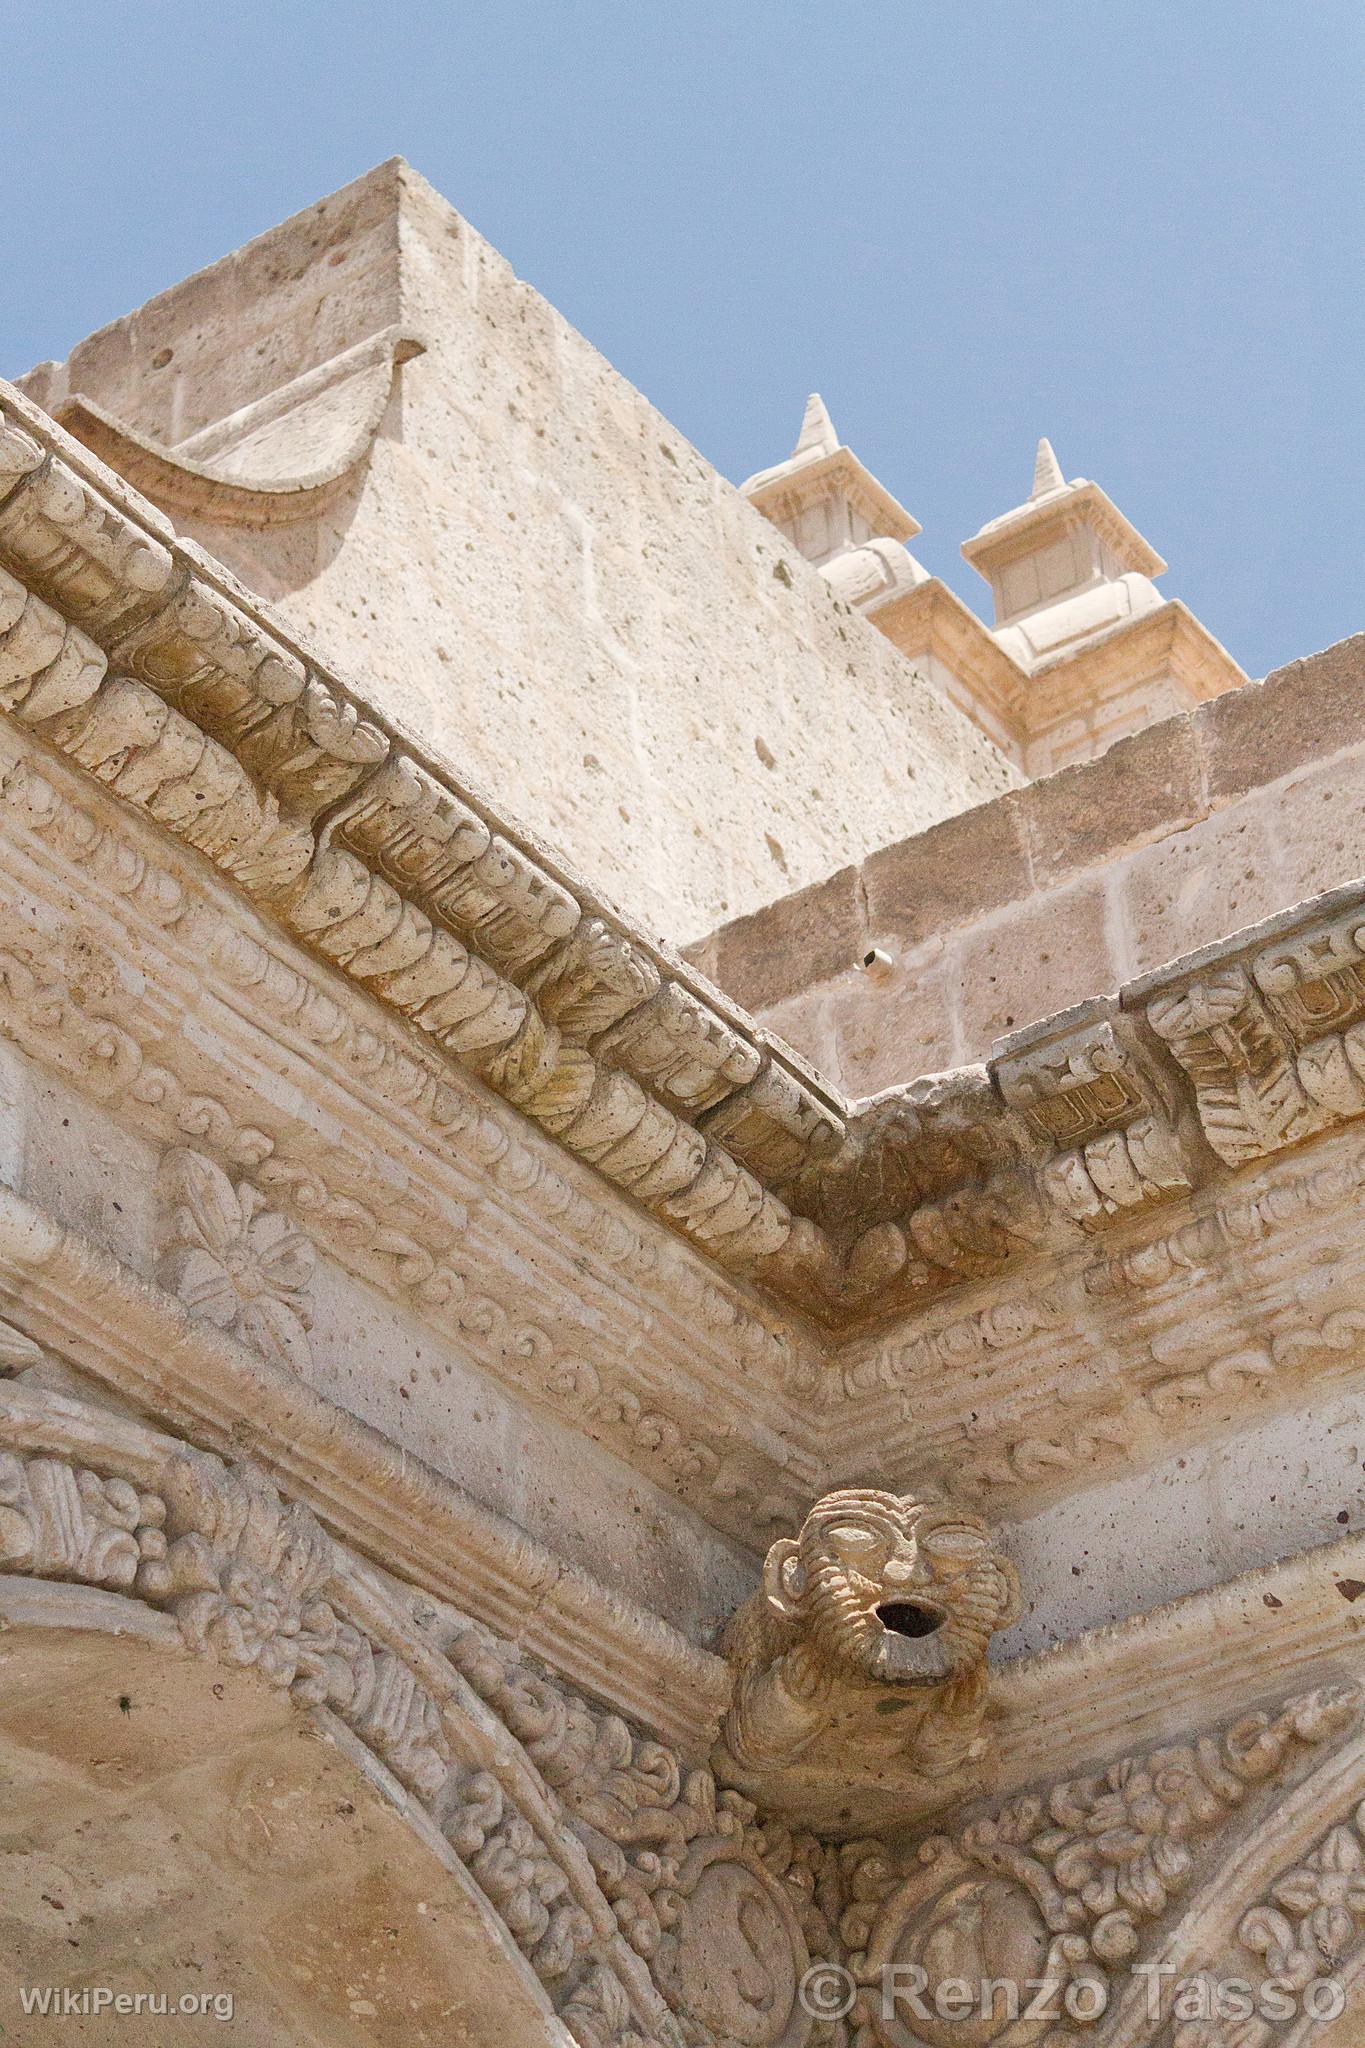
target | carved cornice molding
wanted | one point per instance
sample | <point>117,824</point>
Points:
<point>1226,1306</point>
<point>134,660</point>
<point>627,1334</point>
<point>617,1328</point>
<point>457,958</point>
<point>147,666</point>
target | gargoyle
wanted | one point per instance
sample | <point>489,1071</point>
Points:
<point>868,1638</point>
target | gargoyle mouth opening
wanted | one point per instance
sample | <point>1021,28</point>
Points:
<point>910,1618</point>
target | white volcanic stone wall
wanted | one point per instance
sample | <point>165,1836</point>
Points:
<point>535,572</point>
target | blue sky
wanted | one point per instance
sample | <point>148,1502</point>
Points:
<point>967,222</point>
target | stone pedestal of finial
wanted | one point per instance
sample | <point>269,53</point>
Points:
<point>1084,648</point>
<point>1077,610</point>
<point>836,513</point>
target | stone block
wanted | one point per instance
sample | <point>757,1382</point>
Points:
<point>1251,736</point>
<point>804,1023</point>
<point>1029,963</point>
<point>807,938</point>
<point>1318,822</point>
<point>1193,888</point>
<point>901,1023</point>
<point>951,874</point>
<point>1142,789</point>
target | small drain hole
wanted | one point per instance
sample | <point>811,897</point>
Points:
<point>908,1618</point>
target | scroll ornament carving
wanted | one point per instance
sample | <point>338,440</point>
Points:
<point>1310,1923</point>
<point>1069,1884</point>
<point>868,1638</point>
<point>63,1521</point>
<point>233,1260</point>
<point>725,1911</point>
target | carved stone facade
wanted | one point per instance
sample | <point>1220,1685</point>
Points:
<point>583,1494</point>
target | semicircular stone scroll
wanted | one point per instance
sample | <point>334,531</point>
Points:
<point>272,461</point>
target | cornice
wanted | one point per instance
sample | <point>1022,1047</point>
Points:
<point>612,1326</point>
<point>783,493</point>
<point>1077,680</point>
<point>144,665</point>
<point>1162,1674</point>
<point>1028,527</point>
<point>366,850</point>
<point>402,1170</point>
<point>933,620</point>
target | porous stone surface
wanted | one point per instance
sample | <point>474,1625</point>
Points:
<point>1197,826</point>
<point>513,1478</point>
<point>534,570</point>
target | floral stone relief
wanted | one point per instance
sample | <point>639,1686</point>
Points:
<point>233,1260</point>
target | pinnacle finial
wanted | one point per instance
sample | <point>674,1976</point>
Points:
<point>817,429</point>
<point>1047,471</point>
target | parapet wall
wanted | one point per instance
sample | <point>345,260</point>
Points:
<point>520,560</point>
<point>1052,894</point>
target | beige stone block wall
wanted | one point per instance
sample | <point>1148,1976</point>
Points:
<point>537,574</point>
<point>1009,913</point>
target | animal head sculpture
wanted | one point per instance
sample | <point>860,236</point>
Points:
<point>879,1598</point>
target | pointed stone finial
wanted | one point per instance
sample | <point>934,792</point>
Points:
<point>817,429</point>
<point>1047,472</point>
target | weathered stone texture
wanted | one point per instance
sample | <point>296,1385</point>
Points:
<point>993,919</point>
<point>429,1311</point>
<point>538,574</point>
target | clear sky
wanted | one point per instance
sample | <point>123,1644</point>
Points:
<point>966,222</point>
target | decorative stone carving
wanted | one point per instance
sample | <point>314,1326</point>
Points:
<point>1248,1092</point>
<point>235,1261</point>
<point>1067,1885</point>
<point>1084,1088</point>
<point>63,1521</point>
<point>868,1638</point>
<point>723,1911</point>
<point>1315,1914</point>
<point>256,1581</point>
<point>410,1245</point>
<point>734,1959</point>
<point>584,1814</point>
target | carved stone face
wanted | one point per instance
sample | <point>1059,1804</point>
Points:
<point>897,1592</point>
